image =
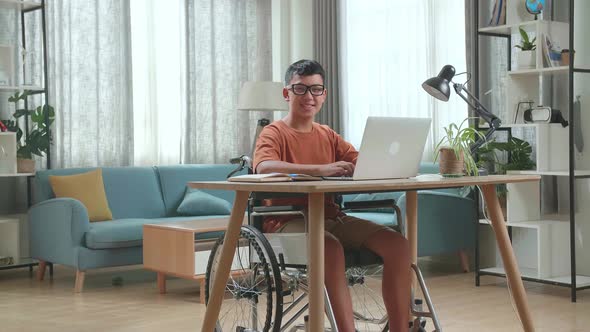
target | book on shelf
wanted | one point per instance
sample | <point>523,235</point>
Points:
<point>274,177</point>
<point>498,13</point>
<point>551,55</point>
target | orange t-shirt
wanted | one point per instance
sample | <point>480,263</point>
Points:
<point>321,145</point>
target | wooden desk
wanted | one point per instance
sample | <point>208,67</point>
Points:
<point>316,191</point>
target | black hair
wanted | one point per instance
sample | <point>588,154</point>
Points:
<point>304,68</point>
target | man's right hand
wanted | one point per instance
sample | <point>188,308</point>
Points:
<point>339,168</point>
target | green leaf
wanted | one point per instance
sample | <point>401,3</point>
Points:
<point>523,35</point>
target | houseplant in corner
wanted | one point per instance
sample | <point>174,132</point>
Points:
<point>525,59</point>
<point>519,152</point>
<point>35,139</point>
<point>454,150</point>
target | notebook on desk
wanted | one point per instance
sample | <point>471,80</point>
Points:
<point>391,148</point>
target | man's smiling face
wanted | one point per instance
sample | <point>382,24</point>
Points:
<point>307,105</point>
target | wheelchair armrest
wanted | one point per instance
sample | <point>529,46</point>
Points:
<point>276,210</point>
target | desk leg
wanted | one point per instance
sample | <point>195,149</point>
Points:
<point>510,266</point>
<point>315,257</point>
<point>412,227</point>
<point>227,254</point>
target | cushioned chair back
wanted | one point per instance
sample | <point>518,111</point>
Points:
<point>132,192</point>
<point>173,180</point>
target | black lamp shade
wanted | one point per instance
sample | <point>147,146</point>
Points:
<point>438,86</point>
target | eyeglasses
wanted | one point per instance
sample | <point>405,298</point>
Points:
<point>301,89</point>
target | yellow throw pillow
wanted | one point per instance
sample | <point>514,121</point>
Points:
<point>88,188</point>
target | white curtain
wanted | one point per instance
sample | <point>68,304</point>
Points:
<point>154,82</point>
<point>159,95</point>
<point>90,82</point>
<point>387,50</point>
<point>229,43</point>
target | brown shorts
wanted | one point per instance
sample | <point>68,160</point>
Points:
<point>352,232</point>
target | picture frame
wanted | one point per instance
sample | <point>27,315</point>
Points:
<point>6,65</point>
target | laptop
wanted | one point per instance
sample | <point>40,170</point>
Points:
<point>391,149</point>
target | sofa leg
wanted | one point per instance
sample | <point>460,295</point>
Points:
<point>41,270</point>
<point>161,282</point>
<point>202,291</point>
<point>79,281</point>
<point>464,260</point>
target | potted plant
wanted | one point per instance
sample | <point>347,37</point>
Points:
<point>454,150</point>
<point>526,57</point>
<point>35,140</point>
<point>520,159</point>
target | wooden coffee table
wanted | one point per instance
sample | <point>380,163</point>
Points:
<point>170,249</point>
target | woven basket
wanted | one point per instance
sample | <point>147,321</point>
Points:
<point>449,165</point>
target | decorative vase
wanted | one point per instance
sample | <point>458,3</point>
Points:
<point>449,164</point>
<point>25,165</point>
<point>526,59</point>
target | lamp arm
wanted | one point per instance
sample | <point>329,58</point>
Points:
<point>492,120</point>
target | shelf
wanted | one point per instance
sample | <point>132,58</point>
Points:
<point>507,28</point>
<point>536,71</point>
<point>23,262</point>
<point>521,125</point>
<point>577,173</point>
<point>581,281</point>
<point>25,5</point>
<point>15,175</point>
<point>12,88</point>
<point>547,220</point>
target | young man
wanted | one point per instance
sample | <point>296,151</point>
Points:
<point>297,144</point>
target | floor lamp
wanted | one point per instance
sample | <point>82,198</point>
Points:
<point>258,96</point>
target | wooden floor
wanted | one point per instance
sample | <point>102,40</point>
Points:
<point>29,305</point>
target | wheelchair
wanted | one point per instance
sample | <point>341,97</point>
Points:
<point>267,287</point>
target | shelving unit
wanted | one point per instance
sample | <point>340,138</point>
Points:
<point>547,220</point>
<point>13,227</point>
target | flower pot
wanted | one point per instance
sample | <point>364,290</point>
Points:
<point>449,165</point>
<point>25,165</point>
<point>526,59</point>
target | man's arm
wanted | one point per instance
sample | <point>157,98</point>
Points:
<point>339,168</point>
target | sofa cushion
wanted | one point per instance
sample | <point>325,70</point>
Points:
<point>88,188</point>
<point>199,203</point>
<point>173,180</point>
<point>123,233</point>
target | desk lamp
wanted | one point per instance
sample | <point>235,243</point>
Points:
<point>258,96</point>
<point>439,88</point>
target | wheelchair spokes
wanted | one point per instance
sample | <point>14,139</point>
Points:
<point>250,299</point>
<point>367,303</point>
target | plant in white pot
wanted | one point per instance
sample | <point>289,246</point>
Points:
<point>526,58</point>
<point>38,137</point>
<point>453,151</point>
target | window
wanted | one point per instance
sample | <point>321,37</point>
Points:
<point>388,49</point>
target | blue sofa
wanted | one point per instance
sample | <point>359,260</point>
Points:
<point>61,233</point>
<point>446,218</point>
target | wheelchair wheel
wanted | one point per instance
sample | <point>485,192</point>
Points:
<point>253,299</point>
<point>367,303</point>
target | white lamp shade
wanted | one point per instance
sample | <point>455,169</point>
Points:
<point>262,96</point>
